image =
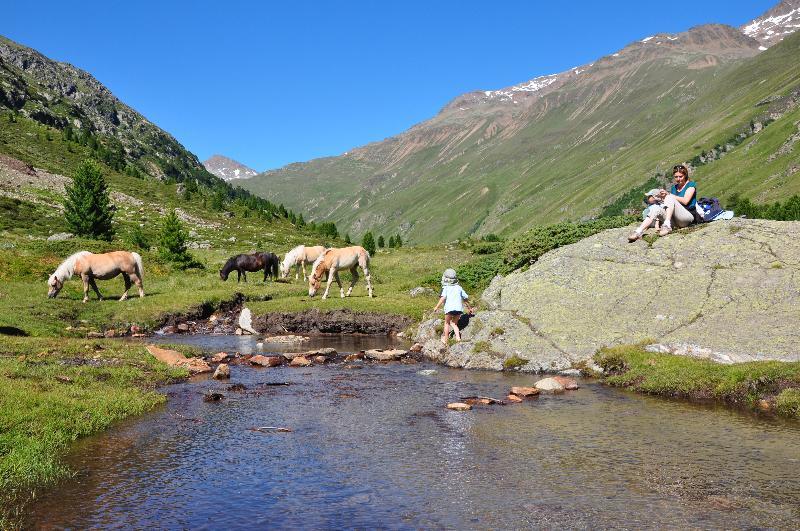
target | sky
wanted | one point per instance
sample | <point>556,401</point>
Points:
<point>271,83</point>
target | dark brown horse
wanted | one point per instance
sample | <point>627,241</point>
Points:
<point>251,262</point>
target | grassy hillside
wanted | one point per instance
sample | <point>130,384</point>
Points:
<point>579,150</point>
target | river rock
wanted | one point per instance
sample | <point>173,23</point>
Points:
<point>266,361</point>
<point>416,347</point>
<point>246,321</point>
<point>300,361</point>
<point>524,391</point>
<point>569,384</point>
<point>173,358</point>
<point>384,355</point>
<point>320,359</point>
<point>513,398</point>
<point>734,298</point>
<point>549,385</point>
<point>327,352</point>
<point>219,357</point>
<point>354,356</point>
<point>182,327</point>
<point>222,372</point>
<point>459,406</point>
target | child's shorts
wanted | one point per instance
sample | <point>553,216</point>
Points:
<point>454,312</point>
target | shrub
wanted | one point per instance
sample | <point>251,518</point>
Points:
<point>514,362</point>
<point>137,238</point>
<point>172,243</point>
<point>482,346</point>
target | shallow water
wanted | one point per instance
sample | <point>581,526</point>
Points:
<point>375,447</point>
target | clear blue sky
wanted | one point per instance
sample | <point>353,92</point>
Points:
<point>269,83</point>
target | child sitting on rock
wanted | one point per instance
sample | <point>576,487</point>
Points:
<point>653,214</point>
<point>454,298</point>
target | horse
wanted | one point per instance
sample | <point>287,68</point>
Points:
<point>104,266</point>
<point>332,260</point>
<point>299,257</point>
<point>251,262</point>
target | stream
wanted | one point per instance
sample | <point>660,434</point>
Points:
<point>372,445</point>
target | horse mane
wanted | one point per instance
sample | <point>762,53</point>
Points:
<point>67,268</point>
<point>319,261</point>
<point>291,257</point>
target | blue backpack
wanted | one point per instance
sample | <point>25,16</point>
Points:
<point>710,207</point>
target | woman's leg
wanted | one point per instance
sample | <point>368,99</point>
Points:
<point>677,214</point>
<point>647,223</point>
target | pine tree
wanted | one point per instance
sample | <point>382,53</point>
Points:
<point>87,206</point>
<point>172,242</point>
<point>300,221</point>
<point>391,242</point>
<point>398,242</point>
<point>347,239</point>
<point>381,242</point>
<point>368,242</point>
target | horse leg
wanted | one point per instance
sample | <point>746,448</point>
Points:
<point>127,280</point>
<point>303,266</point>
<point>85,279</point>
<point>354,273</point>
<point>365,268</point>
<point>244,274</point>
<point>328,285</point>
<point>266,268</point>
<point>138,281</point>
<point>238,276</point>
<point>94,287</point>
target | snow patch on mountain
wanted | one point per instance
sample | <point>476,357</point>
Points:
<point>228,169</point>
<point>776,24</point>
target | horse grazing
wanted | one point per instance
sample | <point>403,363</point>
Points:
<point>104,266</point>
<point>299,257</point>
<point>250,262</point>
<point>332,260</point>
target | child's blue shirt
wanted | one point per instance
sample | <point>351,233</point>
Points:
<point>454,297</point>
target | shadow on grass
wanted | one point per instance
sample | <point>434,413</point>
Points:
<point>12,331</point>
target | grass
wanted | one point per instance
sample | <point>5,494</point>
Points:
<point>742,384</point>
<point>53,391</point>
<point>514,362</point>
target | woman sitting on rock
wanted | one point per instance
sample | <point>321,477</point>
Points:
<point>681,201</point>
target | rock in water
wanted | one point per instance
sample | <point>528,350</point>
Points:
<point>266,361</point>
<point>246,321</point>
<point>549,385</point>
<point>524,391</point>
<point>300,361</point>
<point>173,358</point>
<point>384,355</point>
<point>568,383</point>
<point>459,406</point>
<point>222,372</point>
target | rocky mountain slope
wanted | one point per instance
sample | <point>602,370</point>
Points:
<point>556,147</point>
<point>725,291</point>
<point>65,97</point>
<point>228,169</point>
<point>774,25</point>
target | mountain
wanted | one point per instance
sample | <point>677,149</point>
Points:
<point>228,169</point>
<point>774,25</point>
<point>556,147</point>
<point>66,98</point>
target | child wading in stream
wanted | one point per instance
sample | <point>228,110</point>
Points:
<point>454,298</point>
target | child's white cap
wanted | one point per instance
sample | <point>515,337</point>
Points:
<point>654,191</point>
<point>449,277</point>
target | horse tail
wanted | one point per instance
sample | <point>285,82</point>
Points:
<point>139,267</point>
<point>275,261</point>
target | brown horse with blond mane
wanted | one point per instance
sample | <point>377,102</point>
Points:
<point>90,266</point>
<point>332,260</point>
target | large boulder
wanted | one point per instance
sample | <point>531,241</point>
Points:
<point>730,289</point>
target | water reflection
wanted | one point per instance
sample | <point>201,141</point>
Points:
<point>376,448</point>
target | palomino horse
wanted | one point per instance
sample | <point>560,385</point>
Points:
<point>250,262</point>
<point>332,260</point>
<point>98,266</point>
<point>299,257</point>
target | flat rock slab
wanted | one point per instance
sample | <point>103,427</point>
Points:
<point>524,391</point>
<point>266,361</point>
<point>459,406</point>
<point>173,358</point>
<point>286,339</point>
<point>385,355</point>
<point>327,352</point>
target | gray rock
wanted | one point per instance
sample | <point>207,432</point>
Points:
<point>549,385</point>
<point>420,291</point>
<point>223,371</point>
<point>60,236</point>
<point>385,355</point>
<point>725,291</point>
